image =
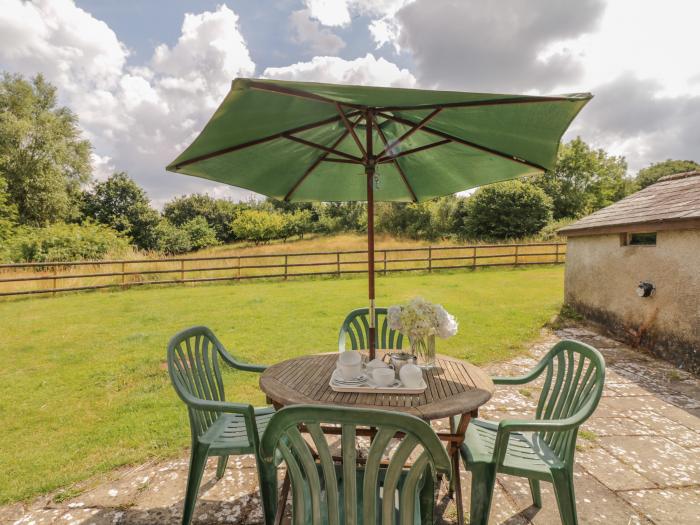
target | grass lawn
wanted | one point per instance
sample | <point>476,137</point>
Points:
<point>83,386</point>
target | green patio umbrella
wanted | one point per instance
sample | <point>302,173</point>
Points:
<point>302,141</point>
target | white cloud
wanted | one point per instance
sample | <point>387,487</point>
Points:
<point>137,118</point>
<point>366,70</point>
<point>307,31</point>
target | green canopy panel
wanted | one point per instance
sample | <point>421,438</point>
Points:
<point>303,141</point>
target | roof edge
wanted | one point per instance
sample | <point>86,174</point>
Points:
<point>681,223</point>
<point>677,176</point>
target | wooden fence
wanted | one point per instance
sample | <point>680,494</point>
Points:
<point>55,277</point>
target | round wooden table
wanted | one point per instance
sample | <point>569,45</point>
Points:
<point>456,390</point>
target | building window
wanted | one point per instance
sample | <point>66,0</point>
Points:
<point>638,239</point>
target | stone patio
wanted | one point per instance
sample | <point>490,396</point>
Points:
<point>638,460</point>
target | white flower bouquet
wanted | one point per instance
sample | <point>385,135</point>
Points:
<point>421,321</point>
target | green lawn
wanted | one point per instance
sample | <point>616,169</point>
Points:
<point>83,386</point>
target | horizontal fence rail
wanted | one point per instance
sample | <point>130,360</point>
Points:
<point>56,277</point>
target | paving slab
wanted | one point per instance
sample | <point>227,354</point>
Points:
<point>667,506</point>
<point>610,471</point>
<point>656,458</point>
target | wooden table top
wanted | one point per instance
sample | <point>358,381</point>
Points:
<point>454,387</point>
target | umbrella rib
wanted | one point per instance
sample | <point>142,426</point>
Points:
<point>261,86</point>
<point>396,162</point>
<point>410,132</point>
<point>465,142</point>
<point>477,103</point>
<point>255,142</point>
<point>322,147</point>
<point>351,129</point>
<point>414,150</point>
<point>316,163</point>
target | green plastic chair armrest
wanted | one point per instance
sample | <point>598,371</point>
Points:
<point>507,426</point>
<point>238,365</point>
<point>521,380</point>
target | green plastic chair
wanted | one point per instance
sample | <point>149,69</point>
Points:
<point>218,428</point>
<point>541,449</point>
<point>372,493</point>
<point>354,332</point>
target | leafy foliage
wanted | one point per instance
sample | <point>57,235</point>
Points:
<point>259,226</point>
<point>201,235</point>
<point>508,210</point>
<point>8,212</point>
<point>42,155</point>
<point>65,242</point>
<point>172,240</point>
<point>584,180</point>
<point>297,223</point>
<point>649,175</point>
<point>219,213</point>
<point>121,204</point>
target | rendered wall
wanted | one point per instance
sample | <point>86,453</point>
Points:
<point>601,281</point>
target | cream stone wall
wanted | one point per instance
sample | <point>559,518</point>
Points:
<point>601,282</point>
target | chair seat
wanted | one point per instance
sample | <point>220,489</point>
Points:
<point>527,453</point>
<point>228,434</point>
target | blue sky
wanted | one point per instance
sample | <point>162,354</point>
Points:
<point>143,76</point>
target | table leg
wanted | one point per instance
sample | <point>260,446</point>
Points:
<point>282,501</point>
<point>453,451</point>
<point>458,488</point>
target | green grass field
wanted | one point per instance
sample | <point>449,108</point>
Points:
<point>84,388</point>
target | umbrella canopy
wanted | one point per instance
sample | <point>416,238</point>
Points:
<point>302,141</point>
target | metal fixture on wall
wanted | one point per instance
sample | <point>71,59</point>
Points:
<point>645,289</point>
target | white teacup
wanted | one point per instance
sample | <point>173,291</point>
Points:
<point>411,376</point>
<point>349,364</point>
<point>375,364</point>
<point>383,376</point>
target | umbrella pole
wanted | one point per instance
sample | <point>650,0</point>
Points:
<point>369,171</point>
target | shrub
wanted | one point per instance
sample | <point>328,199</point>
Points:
<point>258,226</point>
<point>508,210</point>
<point>200,233</point>
<point>66,242</point>
<point>171,239</point>
<point>218,213</point>
<point>297,223</point>
<point>549,232</point>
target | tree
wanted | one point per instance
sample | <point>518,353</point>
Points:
<point>42,155</point>
<point>654,172</point>
<point>200,233</point>
<point>297,223</point>
<point>172,240</point>
<point>258,226</point>
<point>508,210</point>
<point>584,180</point>
<point>121,204</point>
<point>8,212</point>
<point>219,213</point>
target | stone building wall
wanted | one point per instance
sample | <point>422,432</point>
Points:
<point>601,281</point>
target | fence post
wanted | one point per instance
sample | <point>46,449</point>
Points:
<point>182,269</point>
<point>430,258</point>
<point>385,263</point>
<point>337,262</point>
<point>474,257</point>
<point>516,255</point>
<point>285,266</point>
<point>557,253</point>
<point>123,276</point>
<point>55,273</point>
<point>238,269</point>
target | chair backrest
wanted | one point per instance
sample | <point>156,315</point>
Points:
<point>354,333</point>
<point>384,487</point>
<point>574,376</point>
<point>193,365</point>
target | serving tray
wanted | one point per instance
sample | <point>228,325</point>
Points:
<point>371,388</point>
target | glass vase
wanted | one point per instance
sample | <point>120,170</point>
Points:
<point>424,350</point>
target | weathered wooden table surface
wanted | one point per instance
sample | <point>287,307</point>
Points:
<point>456,390</point>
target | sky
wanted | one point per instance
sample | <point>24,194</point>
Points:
<point>145,76</point>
